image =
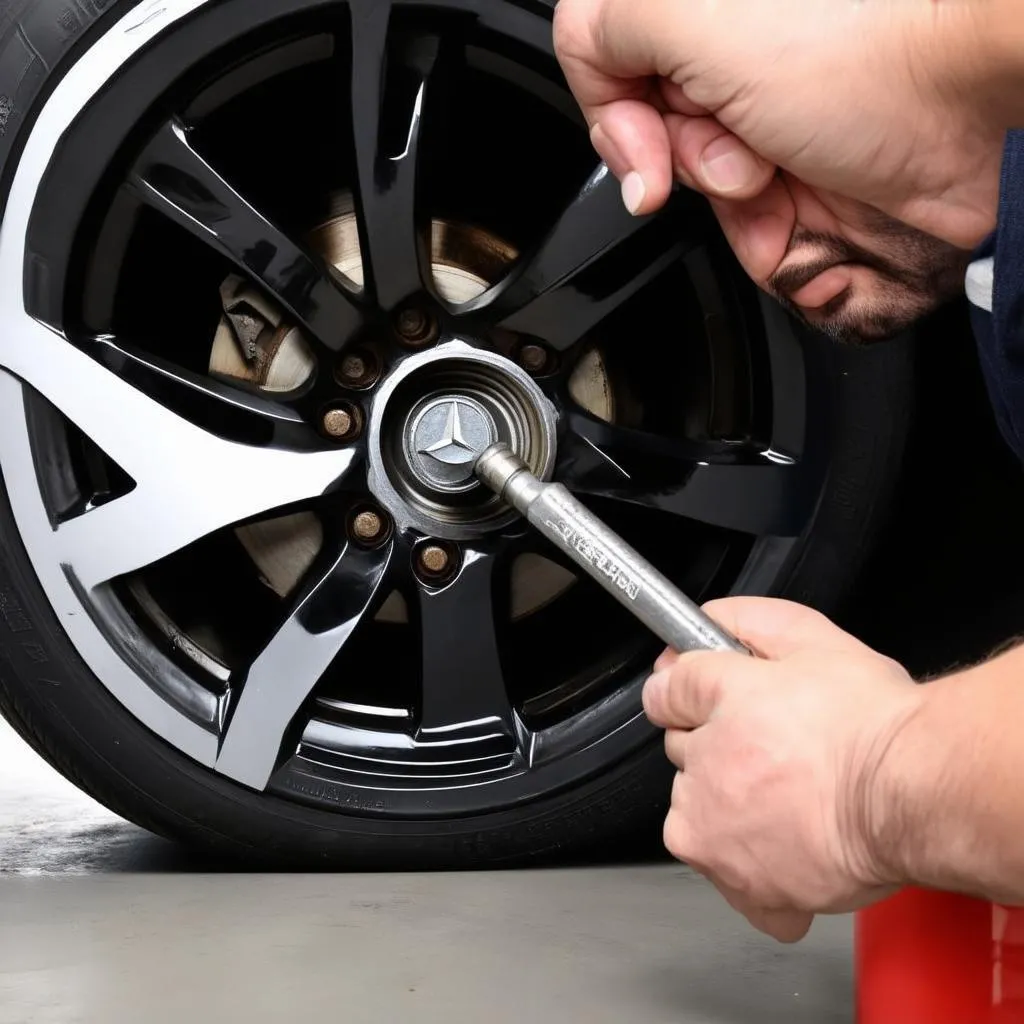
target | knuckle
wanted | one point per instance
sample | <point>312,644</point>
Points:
<point>673,837</point>
<point>571,30</point>
<point>560,24</point>
<point>675,747</point>
<point>695,681</point>
<point>678,688</point>
<point>686,675</point>
<point>678,790</point>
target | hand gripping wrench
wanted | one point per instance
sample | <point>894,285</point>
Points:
<point>603,555</point>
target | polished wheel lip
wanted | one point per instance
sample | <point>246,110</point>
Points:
<point>453,352</point>
<point>83,81</point>
<point>67,594</point>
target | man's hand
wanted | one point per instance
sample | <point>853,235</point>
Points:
<point>778,801</point>
<point>872,101</point>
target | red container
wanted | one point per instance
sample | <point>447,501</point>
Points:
<point>935,958</point>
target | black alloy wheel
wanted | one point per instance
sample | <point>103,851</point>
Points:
<point>277,258</point>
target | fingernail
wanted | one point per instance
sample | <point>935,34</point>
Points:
<point>633,191</point>
<point>728,168</point>
<point>655,689</point>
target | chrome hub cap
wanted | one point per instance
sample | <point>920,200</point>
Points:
<point>431,419</point>
<point>445,438</point>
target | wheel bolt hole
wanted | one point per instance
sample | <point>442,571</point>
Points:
<point>436,561</point>
<point>342,422</point>
<point>415,326</point>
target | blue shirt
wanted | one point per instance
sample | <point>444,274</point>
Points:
<point>995,292</point>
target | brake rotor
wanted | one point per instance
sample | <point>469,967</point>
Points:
<point>255,343</point>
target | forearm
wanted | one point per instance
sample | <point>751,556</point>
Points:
<point>947,803</point>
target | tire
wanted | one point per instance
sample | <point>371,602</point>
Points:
<point>73,718</point>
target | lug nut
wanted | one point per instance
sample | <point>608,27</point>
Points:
<point>353,368</point>
<point>369,526</point>
<point>357,370</point>
<point>434,559</point>
<point>341,423</point>
<point>435,562</point>
<point>533,358</point>
<point>338,422</point>
<point>412,323</point>
<point>414,326</point>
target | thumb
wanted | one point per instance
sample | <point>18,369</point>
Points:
<point>630,136</point>
<point>775,628</point>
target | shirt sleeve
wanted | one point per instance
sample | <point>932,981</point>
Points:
<point>995,293</point>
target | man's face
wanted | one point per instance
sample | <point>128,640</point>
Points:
<point>870,292</point>
<point>842,267</point>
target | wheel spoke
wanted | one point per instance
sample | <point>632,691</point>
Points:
<point>595,258</point>
<point>173,178</point>
<point>226,410</point>
<point>734,486</point>
<point>392,73</point>
<point>463,681</point>
<point>289,667</point>
<point>188,482</point>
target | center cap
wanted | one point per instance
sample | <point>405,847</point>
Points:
<point>445,437</point>
<point>436,413</point>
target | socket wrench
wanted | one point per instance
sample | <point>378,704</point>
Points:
<point>603,555</point>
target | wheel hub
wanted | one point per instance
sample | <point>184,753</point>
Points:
<point>431,419</point>
<point>465,261</point>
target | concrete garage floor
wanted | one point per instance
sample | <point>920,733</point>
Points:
<point>101,923</point>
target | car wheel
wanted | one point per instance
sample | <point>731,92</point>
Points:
<point>266,265</point>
